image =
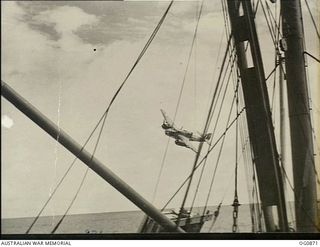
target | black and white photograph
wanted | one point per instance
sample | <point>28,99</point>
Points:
<point>160,119</point>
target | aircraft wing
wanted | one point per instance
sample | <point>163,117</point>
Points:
<point>186,141</point>
<point>166,118</point>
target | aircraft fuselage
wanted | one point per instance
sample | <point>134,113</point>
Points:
<point>174,133</point>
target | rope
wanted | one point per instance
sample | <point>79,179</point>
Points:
<point>205,129</point>
<point>199,148</point>
<point>269,25</point>
<point>220,110</point>
<point>215,66</point>
<point>270,74</point>
<point>83,178</point>
<point>178,103</point>
<point>304,210</point>
<point>310,55</point>
<point>255,192</point>
<point>245,154</point>
<point>236,201</point>
<point>161,169</point>
<point>218,159</point>
<point>313,21</point>
<point>275,37</point>
<point>237,137</point>
<point>214,130</point>
<point>231,70</point>
<point>106,111</point>
<point>273,97</point>
<point>60,182</point>
<point>217,212</point>
<point>212,147</point>
<point>70,205</point>
<point>276,25</point>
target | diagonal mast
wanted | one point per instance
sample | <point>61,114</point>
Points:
<point>93,163</point>
<point>258,114</point>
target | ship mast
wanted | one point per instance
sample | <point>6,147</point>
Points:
<point>93,163</point>
<point>258,114</point>
<point>299,116</point>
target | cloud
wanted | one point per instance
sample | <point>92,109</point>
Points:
<point>31,56</point>
<point>6,121</point>
<point>66,19</point>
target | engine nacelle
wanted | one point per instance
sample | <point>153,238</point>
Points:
<point>165,126</point>
<point>180,143</point>
<point>170,133</point>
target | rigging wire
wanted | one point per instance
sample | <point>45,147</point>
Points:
<point>245,154</point>
<point>205,161</point>
<point>210,115</point>
<point>218,116</point>
<point>312,18</point>
<point>224,6</point>
<point>277,53</point>
<point>217,160</point>
<point>271,73</point>
<point>215,66</point>
<point>276,25</point>
<point>310,55</point>
<point>304,210</point>
<point>269,26</point>
<point>179,100</point>
<point>83,178</point>
<point>226,28</point>
<point>236,200</point>
<point>59,183</point>
<point>273,95</point>
<point>308,102</point>
<point>209,118</point>
<point>217,212</point>
<point>275,37</point>
<point>155,31</point>
<point>299,97</point>
<point>203,133</point>
<point>256,194</point>
<point>252,205</point>
<point>195,166</point>
<point>220,109</point>
<point>226,18</point>
<point>200,163</point>
<point>278,61</point>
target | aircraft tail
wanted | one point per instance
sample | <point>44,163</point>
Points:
<point>168,123</point>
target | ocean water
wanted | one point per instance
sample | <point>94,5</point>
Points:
<point>117,222</point>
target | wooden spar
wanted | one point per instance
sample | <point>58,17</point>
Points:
<point>64,139</point>
<point>258,114</point>
<point>299,115</point>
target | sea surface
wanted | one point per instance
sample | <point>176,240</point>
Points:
<point>118,222</point>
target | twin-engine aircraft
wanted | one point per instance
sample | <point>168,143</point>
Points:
<point>182,136</point>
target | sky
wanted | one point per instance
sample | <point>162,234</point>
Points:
<point>68,58</point>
